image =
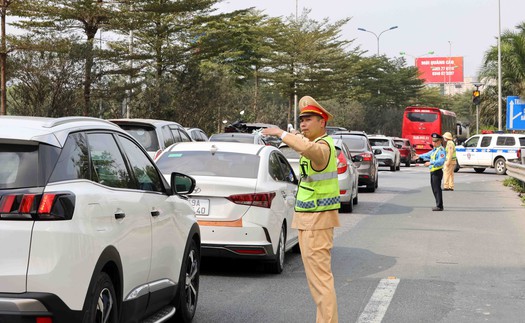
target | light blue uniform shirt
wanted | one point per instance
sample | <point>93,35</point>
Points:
<point>439,158</point>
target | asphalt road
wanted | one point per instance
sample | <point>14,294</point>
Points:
<point>395,260</point>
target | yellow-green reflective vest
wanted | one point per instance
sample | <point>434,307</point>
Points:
<point>318,190</point>
<point>433,158</point>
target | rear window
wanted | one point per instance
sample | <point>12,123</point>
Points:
<point>206,164</point>
<point>505,141</point>
<point>19,166</point>
<point>145,135</point>
<point>354,142</point>
<point>522,141</point>
<point>421,117</point>
<point>289,153</point>
<point>379,142</point>
<point>401,142</point>
<point>233,138</point>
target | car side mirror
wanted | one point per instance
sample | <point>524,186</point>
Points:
<point>377,151</point>
<point>182,184</point>
<point>398,146</point>
<point>357,158</point>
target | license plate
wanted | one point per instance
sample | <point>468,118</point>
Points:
<point>200,206</point>
<point>420,146</point>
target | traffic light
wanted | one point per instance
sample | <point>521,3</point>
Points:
<point>476,97</point>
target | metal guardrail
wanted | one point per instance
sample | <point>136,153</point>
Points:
<point>516,170</point>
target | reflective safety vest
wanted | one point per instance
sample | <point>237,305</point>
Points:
<point>318,190</point>
<point>433,157</point>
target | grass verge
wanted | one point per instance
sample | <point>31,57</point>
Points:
<point>517,186</point>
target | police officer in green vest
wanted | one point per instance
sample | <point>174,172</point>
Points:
<point>317,203</point>
<point>435,160</point>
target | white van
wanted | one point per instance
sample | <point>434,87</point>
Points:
<point>489,150</point>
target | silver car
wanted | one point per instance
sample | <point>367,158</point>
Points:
<point>154,135</point>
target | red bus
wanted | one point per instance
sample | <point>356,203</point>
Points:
<point>420,122</point>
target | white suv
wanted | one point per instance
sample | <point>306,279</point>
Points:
<point>489,150</point>
<point>390,155</point>
<point>89,228</point>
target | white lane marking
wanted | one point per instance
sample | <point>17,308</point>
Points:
<point>378,304</point>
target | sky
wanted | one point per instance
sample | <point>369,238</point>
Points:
<point>464,28</point>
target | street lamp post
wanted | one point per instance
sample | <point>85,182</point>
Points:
<point>499,65</point>
<point>377,36</point>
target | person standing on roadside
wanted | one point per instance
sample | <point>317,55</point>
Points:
<point>435,160</point>
<point>317,203</point>
<point>450,162</point>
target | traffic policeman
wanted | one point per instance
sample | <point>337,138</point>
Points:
<point>450,162</point>
<point>434,161</point>
<point>317,203</point>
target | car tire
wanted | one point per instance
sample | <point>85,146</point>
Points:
<point>188,285</point>
<point>355,200</point>
<point>296,248</point>
<point>393,168</point>
<point>499,165</point>
<point>479,169</point>
<point>347,207</point>
<point>277,265</point>
<point>371,187</point>
<point>407,163</point>
<point>102,304</point>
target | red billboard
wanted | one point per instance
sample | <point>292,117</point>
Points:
<point>440,69</point>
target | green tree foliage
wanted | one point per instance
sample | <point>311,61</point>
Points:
<point>158,43</point>
<point>387,87</point>
<point>308,58</point>
<point>57,20</point>
<point>175,60</point>
<point>43,84</point>
<point>512,74</point>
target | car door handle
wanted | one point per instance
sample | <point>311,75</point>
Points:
<point>120,215</point>
<point>155,213</point>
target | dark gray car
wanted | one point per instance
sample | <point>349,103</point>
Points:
<point>359,145</point>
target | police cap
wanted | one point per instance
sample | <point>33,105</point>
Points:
<point>436,136</point>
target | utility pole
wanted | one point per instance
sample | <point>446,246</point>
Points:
<point>295,79</point>
<point>3,57</point>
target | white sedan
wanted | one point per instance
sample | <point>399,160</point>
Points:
<point>244,198</point>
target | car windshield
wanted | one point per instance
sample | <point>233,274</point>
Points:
<point>379,142</point>
<point>225,164</point>
<point>145,135</point>
<point>19,166</point>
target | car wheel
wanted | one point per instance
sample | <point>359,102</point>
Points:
<point>393,167</point>
<point>277,265</point>
<point>347,207</point>
<point>371,187</point>
<point>479,169</point>
<point>356,199</point>
<point>501,168</point>
<point>102,303</point>
<point>407,163</point>
<point>456,169</point>
<point>188,285</point>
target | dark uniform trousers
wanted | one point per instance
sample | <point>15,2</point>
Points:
<point>435,182</point>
